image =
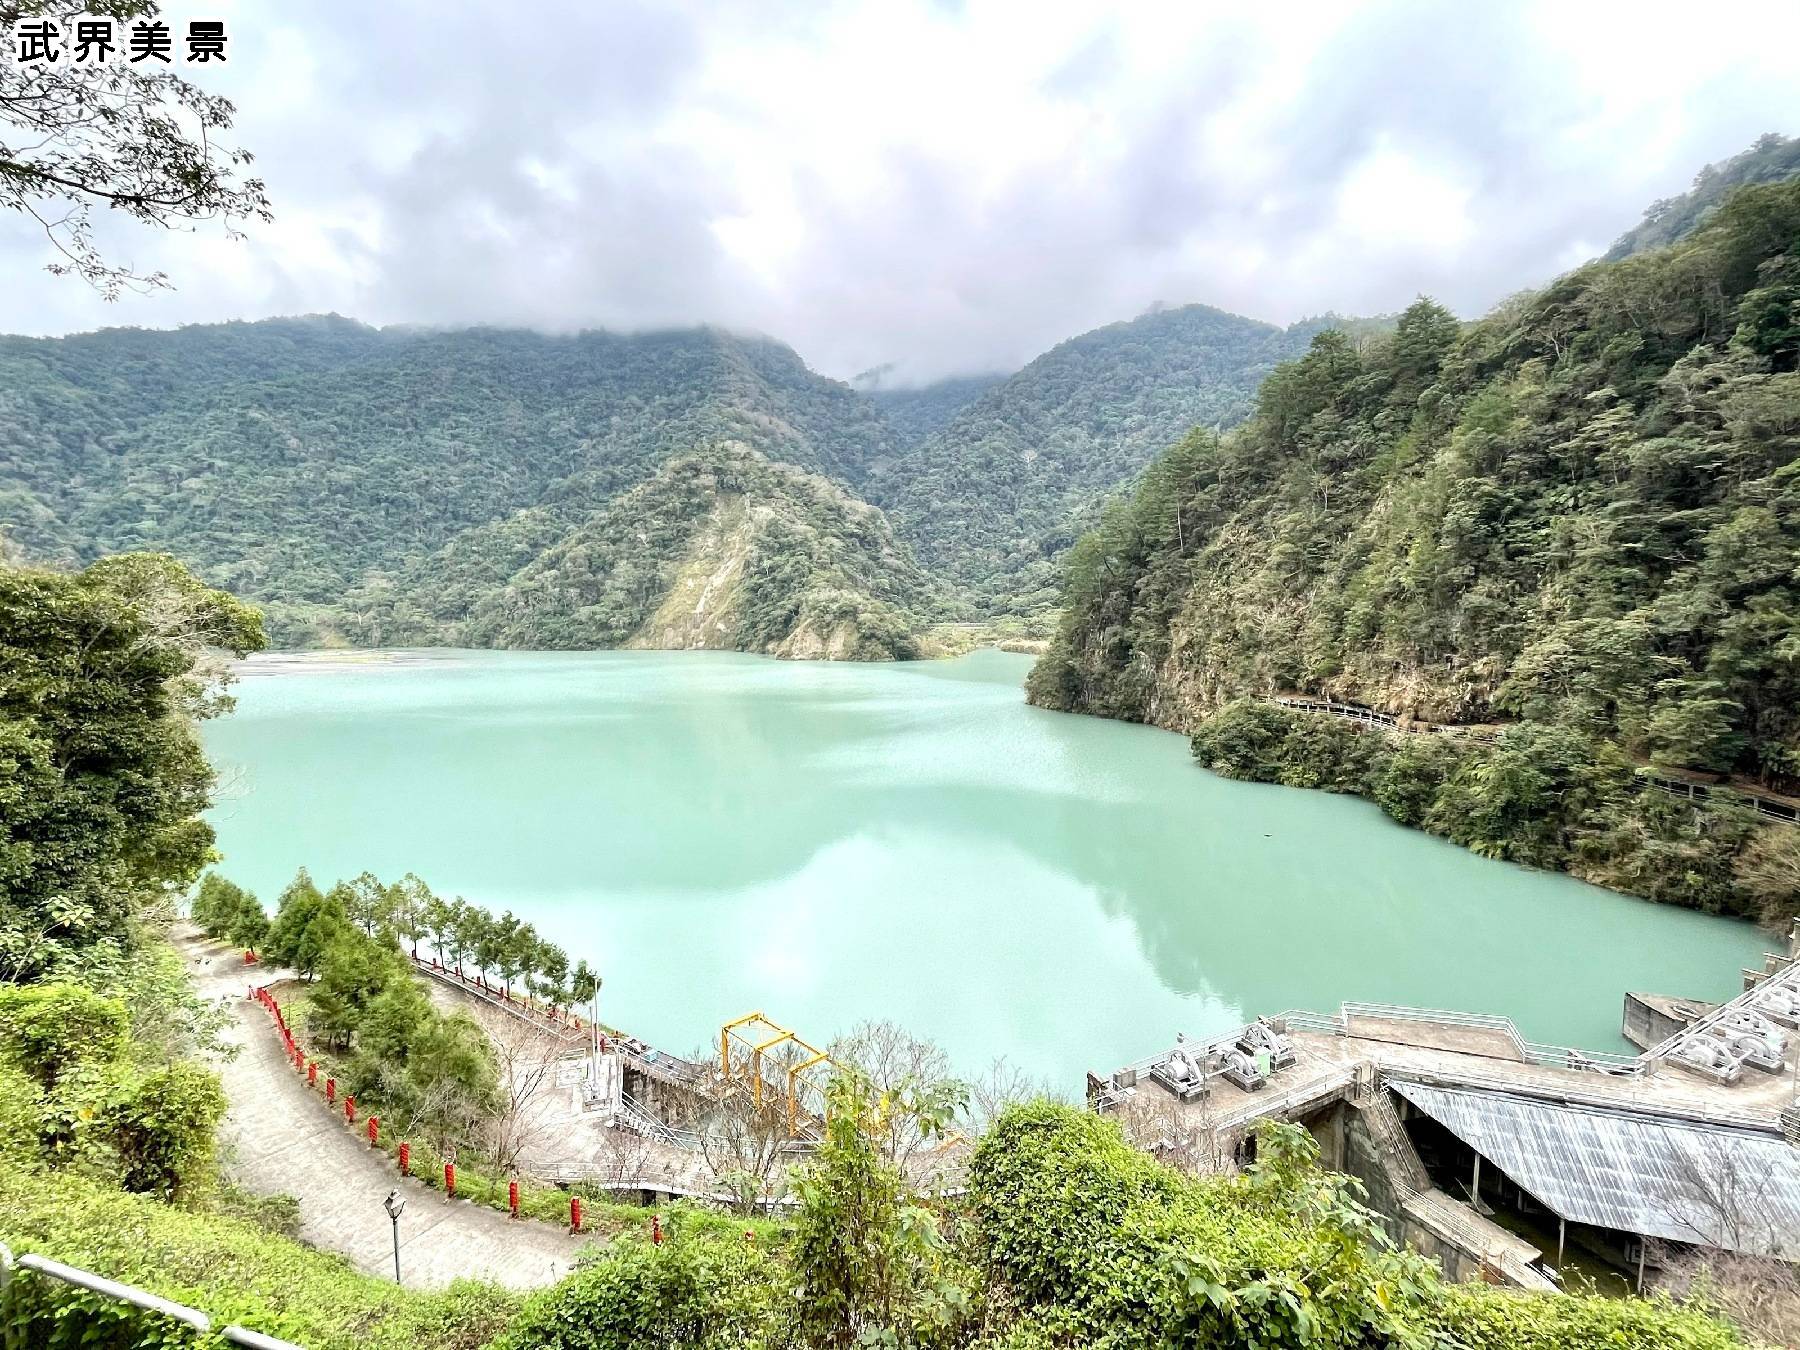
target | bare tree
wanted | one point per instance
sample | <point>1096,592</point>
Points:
<point>1727,1200</point>
<point>526,1055</point>
<point>1185,1135</point>
<point>1004,1084</point>
<point>1760,1295</point>
<point>630,1156</point>
<point>900,1065</point>
<point>745,1143</point>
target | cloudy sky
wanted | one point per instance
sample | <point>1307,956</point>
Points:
<point>950,187</point>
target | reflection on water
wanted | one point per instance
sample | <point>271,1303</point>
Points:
<point>830,842</point>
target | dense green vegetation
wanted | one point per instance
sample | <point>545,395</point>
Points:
<point>504,488</point>
<point>916,414</point>
<point>231,1268</point>
<point>1580,515</point>
<point>102,778</point>
<point>299,462</point>
<point>1772,159</point>
<point>720,548</point>
<point>995,497</point>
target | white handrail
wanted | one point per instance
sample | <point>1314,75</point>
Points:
<point>86,1280</point>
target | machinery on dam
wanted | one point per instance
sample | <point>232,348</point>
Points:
<point>1449,1117</point>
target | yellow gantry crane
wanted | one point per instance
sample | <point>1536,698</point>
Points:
<point>756,1035</point>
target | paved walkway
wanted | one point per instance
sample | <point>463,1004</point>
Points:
<point>278,1137</point>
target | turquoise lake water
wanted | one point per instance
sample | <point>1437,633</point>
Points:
<point>829,843</point>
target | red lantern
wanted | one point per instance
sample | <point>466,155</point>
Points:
<point>405,1158</point>
<point>512,1197</point>
<point>331,1089</point>
<point>450,1180</point>
<point>350,1108</point>
<point>374,1125</point>
<point>574,1213</point>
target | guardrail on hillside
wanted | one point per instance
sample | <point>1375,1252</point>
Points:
<point>1770,808</point>
<point>13,1269</point>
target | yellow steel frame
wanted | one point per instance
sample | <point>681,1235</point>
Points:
<point>781,1035</point>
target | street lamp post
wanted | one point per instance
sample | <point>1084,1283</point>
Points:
<point>394,1203</point>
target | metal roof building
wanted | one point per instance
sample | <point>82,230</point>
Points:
<point>1655,1176</point>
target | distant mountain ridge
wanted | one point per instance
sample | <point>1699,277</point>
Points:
<point>995,497</point>
<point>408,485</point>
<point>306,464</point>
<point>916,413</point>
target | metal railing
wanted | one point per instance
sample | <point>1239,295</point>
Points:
<point>1300,1019</point>
<point>1377,720</point>
<point>1391,1138</point>
<point>527,1013</point>
<point>1772,807</point>
<point>1259,1105</point>
<point>12,1269</point>
<point>658,1063</point>
<point>1471,1232</point>
<point>1534,1052</point>
<point>639,1119</point>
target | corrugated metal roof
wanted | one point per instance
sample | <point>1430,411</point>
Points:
<point>1654,1175</point>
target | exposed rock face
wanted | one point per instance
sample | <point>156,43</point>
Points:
<point>722,549</point>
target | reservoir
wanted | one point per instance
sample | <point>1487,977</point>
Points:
<point>830,843</point>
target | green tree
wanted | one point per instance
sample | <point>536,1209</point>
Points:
<point>216,904</point>
<point>102,778</point>
<point>353,973</point>
<point>249,924</point>
<point>368,902</point>
<point>453,1080</point>
<point>409,905</point>
<point>549,973</point>
<point>306,924</point>
<point>865,1254</point>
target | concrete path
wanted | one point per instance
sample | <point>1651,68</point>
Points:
<point>278,1137</point>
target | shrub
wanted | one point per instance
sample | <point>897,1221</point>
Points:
<point>1102,1245</point>
<point>1243,740</point>
<point>702,1290</point>
<point>162,1129</point>
<point>1409,778</point>
<point>49,1030</point>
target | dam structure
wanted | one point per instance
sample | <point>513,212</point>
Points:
<point>1506,1159</point>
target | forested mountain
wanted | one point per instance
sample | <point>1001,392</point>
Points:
<point>720,548</point>
<point>916,414</point>
<point>1579,517</point>
<point>1772,159</point>
<point>300,462</point>
<point>391,485</point>
<point>994,498</point>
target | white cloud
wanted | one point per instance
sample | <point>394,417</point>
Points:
<point>948,186</point>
